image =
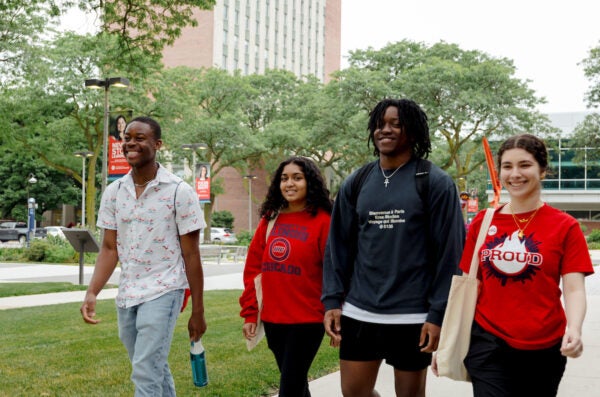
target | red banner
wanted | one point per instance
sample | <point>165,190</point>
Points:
<point>202,182</point>
<point>473,205</point>
<point>117,164</point>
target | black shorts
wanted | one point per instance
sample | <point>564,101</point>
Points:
<point>398,344</point>
<point>498,369</point>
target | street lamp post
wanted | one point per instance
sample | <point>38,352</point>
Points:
<point>30,210</point>
<point>250,178</point>
<point>106,84</point>
<point>193,147</point>
<point>83,154</point>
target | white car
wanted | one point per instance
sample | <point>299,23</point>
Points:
<point>55,231</point>
<point>220,235</point>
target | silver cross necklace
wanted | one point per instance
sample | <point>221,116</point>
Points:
<point>387,178</point>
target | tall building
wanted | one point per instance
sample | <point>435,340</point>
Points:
<point>302,36</point>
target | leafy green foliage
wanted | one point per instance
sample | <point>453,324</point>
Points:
<point>587,135</point>
<point>244,237</point>
<point>222,219</point>
<point>594,236</point>
<point>143,28</point>
<point>49,250</point>
<point>50,191</point>
<point>591,68</point>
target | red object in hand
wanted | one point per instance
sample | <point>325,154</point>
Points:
<point>186,297</point>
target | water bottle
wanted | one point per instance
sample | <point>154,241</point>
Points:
<point>198,360</point>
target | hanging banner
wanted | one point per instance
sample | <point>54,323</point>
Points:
<point>203,182</point>
<point>473,205</point>
<point>117,164</point>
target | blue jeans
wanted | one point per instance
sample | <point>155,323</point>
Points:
<point>146,330</point>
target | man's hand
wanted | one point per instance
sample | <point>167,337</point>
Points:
<point>88,309</point>
<point>430,337</point>
<point>196,326</point>
<point>333,327</point>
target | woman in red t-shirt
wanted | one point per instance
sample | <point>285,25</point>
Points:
<point>521,335</point>
<point>290,260</point>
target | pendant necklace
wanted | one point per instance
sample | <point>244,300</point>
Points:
<point>527,220</point>
<point>387,178</point>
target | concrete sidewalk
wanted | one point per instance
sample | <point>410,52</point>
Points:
<point>581,379</point>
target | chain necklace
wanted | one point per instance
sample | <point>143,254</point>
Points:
<point>527,220</point>
<point>145,183</point>
<point>387,178</point>
<point>148,181</point>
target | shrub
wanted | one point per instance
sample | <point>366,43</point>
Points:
<point>37,251</point>
<point>222,219</point>
<point>594,236</point>
<point>244,237</point>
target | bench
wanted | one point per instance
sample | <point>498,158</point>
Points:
<point>218,253</point>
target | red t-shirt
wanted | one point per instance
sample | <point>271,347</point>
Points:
<point>520,299</point>
<point>291,263</point>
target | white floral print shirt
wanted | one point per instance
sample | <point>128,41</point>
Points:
<point>148,230</point>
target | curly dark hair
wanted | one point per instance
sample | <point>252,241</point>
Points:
<point>317,194</point>
<point>528,142</point>
<point>412,120</point>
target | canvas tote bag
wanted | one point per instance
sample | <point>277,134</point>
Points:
<point>260,328</point>
<point>455,335</point>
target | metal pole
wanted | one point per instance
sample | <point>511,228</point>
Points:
<point>83,191</point>
<point>250,204</point>
<point>105,138</point>
<point>194,168</point>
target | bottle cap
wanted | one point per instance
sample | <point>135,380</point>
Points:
<point>197,347</point>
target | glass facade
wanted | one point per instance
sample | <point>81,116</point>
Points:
<point>571,169</point>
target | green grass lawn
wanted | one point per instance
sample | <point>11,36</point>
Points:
<point>50,351</point>
<point>18,289</point>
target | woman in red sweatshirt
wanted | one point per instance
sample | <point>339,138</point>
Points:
<point>290,260</point>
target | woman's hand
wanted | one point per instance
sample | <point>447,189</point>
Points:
<point>249,330</point>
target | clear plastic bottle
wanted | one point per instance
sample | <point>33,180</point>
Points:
<point>198,360</point>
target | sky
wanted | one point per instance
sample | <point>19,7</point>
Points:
<point>546,39</point>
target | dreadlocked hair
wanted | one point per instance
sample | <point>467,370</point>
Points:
<point>317,194</point>
<point>412,120</point>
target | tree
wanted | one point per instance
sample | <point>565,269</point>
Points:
<point>591,68</point>
<point>587,135</point>
<point>22,24</point>
<point>51,189</point>
<point>144,27</point>
<point>466,94</point>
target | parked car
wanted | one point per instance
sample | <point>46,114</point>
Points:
<point>17,231</point>
<point>220,235</point>
<point>55,231</point>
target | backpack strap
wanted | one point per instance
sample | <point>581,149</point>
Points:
<point>422,181</point>
<point>359,179</point>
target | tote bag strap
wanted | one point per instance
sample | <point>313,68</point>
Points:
<point>485,225</point>
<point>270,226</point>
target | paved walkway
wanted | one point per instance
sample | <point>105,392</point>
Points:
<point>581,379</point>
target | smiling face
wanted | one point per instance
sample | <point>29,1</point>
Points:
<point>121,124</point>
<point>521,174</point>
<point>140,145</point>
<point>389,137</point>
<point>293,186</point>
